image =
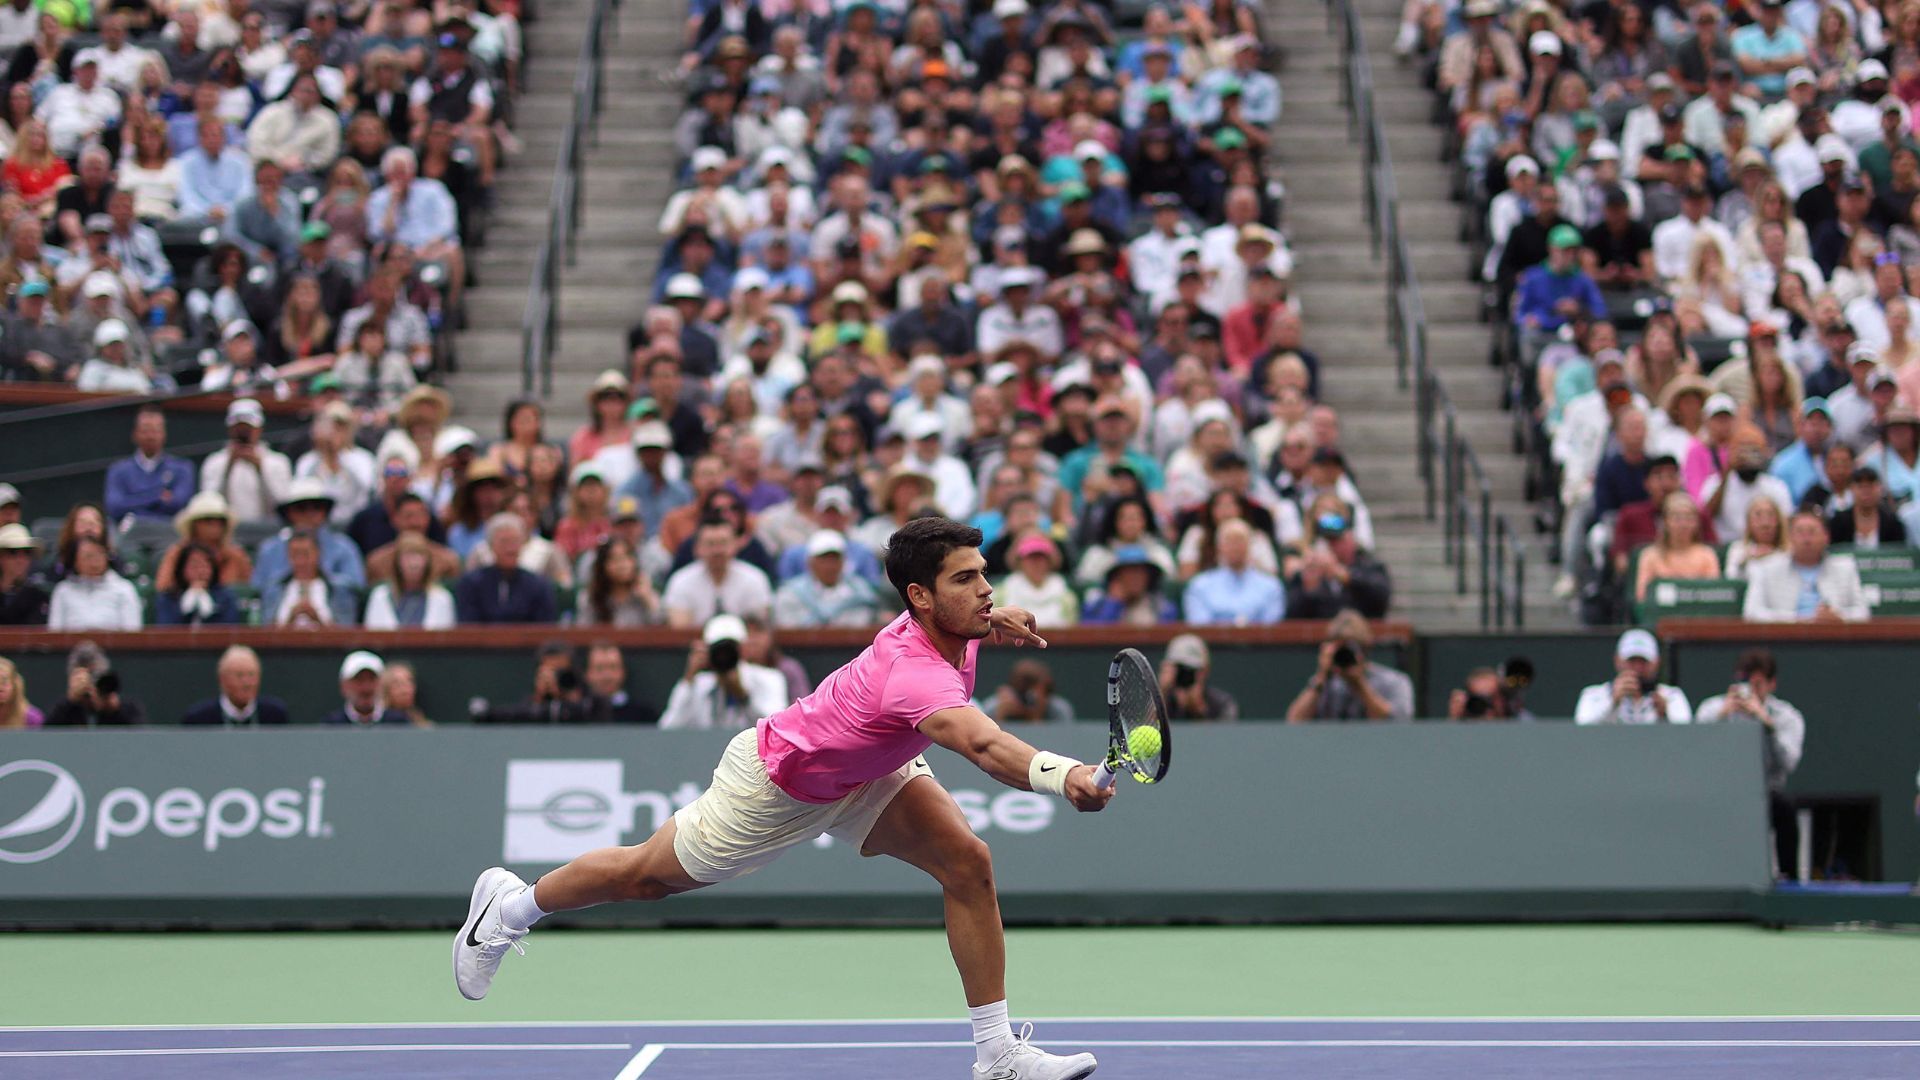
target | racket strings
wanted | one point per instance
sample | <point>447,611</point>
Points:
<point>1139,708</point>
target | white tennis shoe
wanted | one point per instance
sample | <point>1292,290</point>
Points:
<point>1025,1061</point>
<point>484,939</point>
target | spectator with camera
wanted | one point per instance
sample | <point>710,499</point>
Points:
<point>558,697</point>
<point>239,704</point>
<point>363,700</point>
<point>94,697</point>
<point>1186,686</point>
<point>721,689</point>
<point>1493,693</point>
<point>1336,573</point>
<point>1635,695</point>
<point>254,477</point>
<point>1346,684</point>
<point>1028,697</point>
<point>1756,675</point>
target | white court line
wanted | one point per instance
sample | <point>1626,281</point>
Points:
<point>370,1048</point>
<point>895,1021</point>
<point>648,1054</point>
<point>1479,1044</point>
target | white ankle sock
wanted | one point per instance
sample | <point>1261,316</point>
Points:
<point>992,1033</point>
<point>518,910</point>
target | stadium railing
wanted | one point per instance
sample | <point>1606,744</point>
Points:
<point>1457,488</point>
<point>539,325</point>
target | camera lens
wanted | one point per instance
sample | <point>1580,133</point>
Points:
<point>724,656</point>
<point>1345,657</point>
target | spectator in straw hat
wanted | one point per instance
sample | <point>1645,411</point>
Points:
<point>206,521</point>
<point>22,601</point>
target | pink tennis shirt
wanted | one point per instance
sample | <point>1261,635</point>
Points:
<point>863,721</point>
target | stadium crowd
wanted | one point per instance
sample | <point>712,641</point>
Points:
<point>1701,230</point>
<point>1001,262</point>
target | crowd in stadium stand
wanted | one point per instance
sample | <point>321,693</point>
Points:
<point>1702,233</point>
<point>245,197</point>
<point>1008,263</point>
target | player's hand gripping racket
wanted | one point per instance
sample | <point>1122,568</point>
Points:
<point>1139,742</point>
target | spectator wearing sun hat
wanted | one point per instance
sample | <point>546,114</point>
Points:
<point>23,602</point>
<point>207,522</point>
<point>307,508</point>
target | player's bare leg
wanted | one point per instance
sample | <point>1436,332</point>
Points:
<point>504,908</point>
<point>923,827</point>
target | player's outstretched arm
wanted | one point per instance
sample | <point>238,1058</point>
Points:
<point>973,735</point>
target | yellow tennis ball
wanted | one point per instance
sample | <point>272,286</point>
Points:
<point>1143,742</point>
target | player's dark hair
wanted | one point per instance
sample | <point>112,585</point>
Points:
<point>918,549</point>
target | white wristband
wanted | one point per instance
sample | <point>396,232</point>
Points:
<point>1048,772</point>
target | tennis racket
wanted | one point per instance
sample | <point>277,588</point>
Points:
<point>1139,741</point>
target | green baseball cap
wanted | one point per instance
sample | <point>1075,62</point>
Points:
<point>645,407</point>
<point>1229,139</point>
<point>315,230</point>
<point>1159,95</point>
<point>1231,87</point>
<point>325,381</point>
<point>858,155</point>
<point>848,333</point>
<point>1073,191</point>
<point>1563,236</point>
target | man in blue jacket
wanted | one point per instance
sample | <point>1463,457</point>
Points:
<point>1550,294</point>
<point>152,483</point>
<point>504,593</point>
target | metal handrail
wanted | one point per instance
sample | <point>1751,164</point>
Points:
<point>539,324</point>
<point>1457,489</point>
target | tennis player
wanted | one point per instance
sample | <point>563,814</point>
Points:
<point>846,761</point>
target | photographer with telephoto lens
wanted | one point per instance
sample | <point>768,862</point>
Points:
<point>1347,685</point>
<point>559,697</point>
<point>720,689</point>
<point>94,697</point>
<point>1185,685</point>
<point>1493,693</point>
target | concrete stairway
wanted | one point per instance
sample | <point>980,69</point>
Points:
<point>1343,292</point>
<point>625,184</point>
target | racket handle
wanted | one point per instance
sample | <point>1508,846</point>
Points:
<point>1103,776</point>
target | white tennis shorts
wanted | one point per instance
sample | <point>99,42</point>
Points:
<point>744,821</point>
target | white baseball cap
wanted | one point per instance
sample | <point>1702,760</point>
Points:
<point>1720,404</point>
<point>724,628</point>
<point>110,331</point>
<point>1868,71</point>
<point>1544,43</point>
<point>1603,150</point>
<point>1521,163</point>
<point>922,426</point>
<point>1637,645</point>
<point>1801,76</point>
<point>1089,148</point>
<point>99,283</point>
<point>708,157</point>
<point>652,434</point>
<point>359,661</point>
<point>685,287</point>
<point>453,438</point>
<point>826,542</point>
<point>246,411</point>
<point>1832,147</point>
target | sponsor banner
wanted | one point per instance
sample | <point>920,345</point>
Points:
<point>320,814</point>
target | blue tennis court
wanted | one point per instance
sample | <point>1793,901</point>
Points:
<point>1708,1049</point>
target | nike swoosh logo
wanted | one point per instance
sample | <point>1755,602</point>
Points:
<point>1048,768</point>
<point>471,940</point>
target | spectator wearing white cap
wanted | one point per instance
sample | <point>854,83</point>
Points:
<point>1857,117</point>
<point>724,208</point>
<point>827,593</point>
<point>1635,695</point>
<point>1508,208</point>
<point>953,487</point>
<point>112,370</point>
<point>101,295</point>
<point>79,110</point>
<point>239,368</point>
<point>253,476</point>
<point>720,689</point>
<point>1018,315</point>
<point>361,706</point>
<point>1709,451</point>
<point>1036,583</point>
